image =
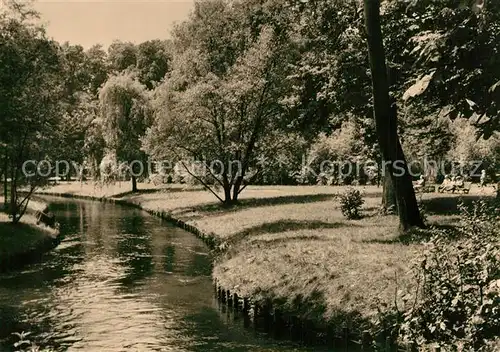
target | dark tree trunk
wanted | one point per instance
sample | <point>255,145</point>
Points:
<point>236,188</point>
<point>227,195</point>
<point>386,122</point>
<point>5,188</point>
<point>389,203</point>
<point>226,185</point>
<point>13,196</point>
<point>134,184</point>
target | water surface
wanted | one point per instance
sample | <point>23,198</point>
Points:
<point>121,280</point>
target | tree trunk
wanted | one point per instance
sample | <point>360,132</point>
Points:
<point>236,188</point>
<point>386,122</point>
<point>134,184</point>
<point>227,190</point>
<point>389,203</point>
<point>227,194</point>
<point>5,188</point>
<point>13,196</point>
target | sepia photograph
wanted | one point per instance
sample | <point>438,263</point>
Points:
<point>250,175</point>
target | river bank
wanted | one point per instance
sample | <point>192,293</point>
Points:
<point>26,241</point>
<point>290,253</point>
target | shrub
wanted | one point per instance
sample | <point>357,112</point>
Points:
<point>457,303</point>
<point>350,203</point>
<point>324,179</point>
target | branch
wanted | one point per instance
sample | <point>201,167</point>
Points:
<point>258,121</point>
<point>249,181</point>
<point>212,174</point>
<point>202,182</point>
<point>242,113</point>
<point>219,133</point>
<point>199,179</point>
<point>204,163</point>
<point>184,148</point>
<point>26,199</point>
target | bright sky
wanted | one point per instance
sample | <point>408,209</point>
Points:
<point>88,22</point>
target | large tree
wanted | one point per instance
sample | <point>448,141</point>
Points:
<point>153,61</point>
<point>122,56</point>
<point>97,67</point>
<point>331,79</point>
<point>385,114</point>
<point>30,92</point>
<point>125,116</point>
<point>223,96</point>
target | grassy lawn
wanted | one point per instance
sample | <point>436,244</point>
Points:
<point>24,236</point>
<point>21,237</point>
<point>292,244</point>
<point>95,190</point>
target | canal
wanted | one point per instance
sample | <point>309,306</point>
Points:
<point>121,280</point>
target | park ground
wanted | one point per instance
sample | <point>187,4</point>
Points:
<point>25,238</point>
<point>291,244</point>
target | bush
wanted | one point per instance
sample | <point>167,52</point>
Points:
<point>457,303</point>
<point>351,202</point>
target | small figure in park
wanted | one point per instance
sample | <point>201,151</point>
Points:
<point>420,183</point>
<point>482,179</point>
<point>447,185</point>
<point>458,181</point>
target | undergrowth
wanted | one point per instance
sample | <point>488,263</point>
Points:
<point>456,303</point>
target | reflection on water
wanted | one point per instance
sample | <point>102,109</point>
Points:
<point>120,281</point>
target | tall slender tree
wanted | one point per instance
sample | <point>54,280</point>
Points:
<point>385,114</point>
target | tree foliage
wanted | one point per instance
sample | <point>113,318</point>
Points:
<point>223,96</point>
<point>447,57</point>
<point>125,116</point>
<point>29,90</point>
<point>153,61</point>
<point>265,83</point>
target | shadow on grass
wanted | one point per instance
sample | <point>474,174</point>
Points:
<point>258,202</point>
<point>291,238</point>
<point>377,194</point>
<point>418,236</point>
<point>23,243</point>
<point>146,191</point>
<point>448,205</point>
<point>371,212</point>
<point>411,237</point>
<point>138,192</point>
<point>288,226</point>
<point>19,234</point>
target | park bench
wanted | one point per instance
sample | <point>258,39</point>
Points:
<point>425,189</point>
<point>465,189</point>
<point>54,180</point>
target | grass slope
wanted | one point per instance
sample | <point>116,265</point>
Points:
<point>17,239</point>
<point>292,244</point>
